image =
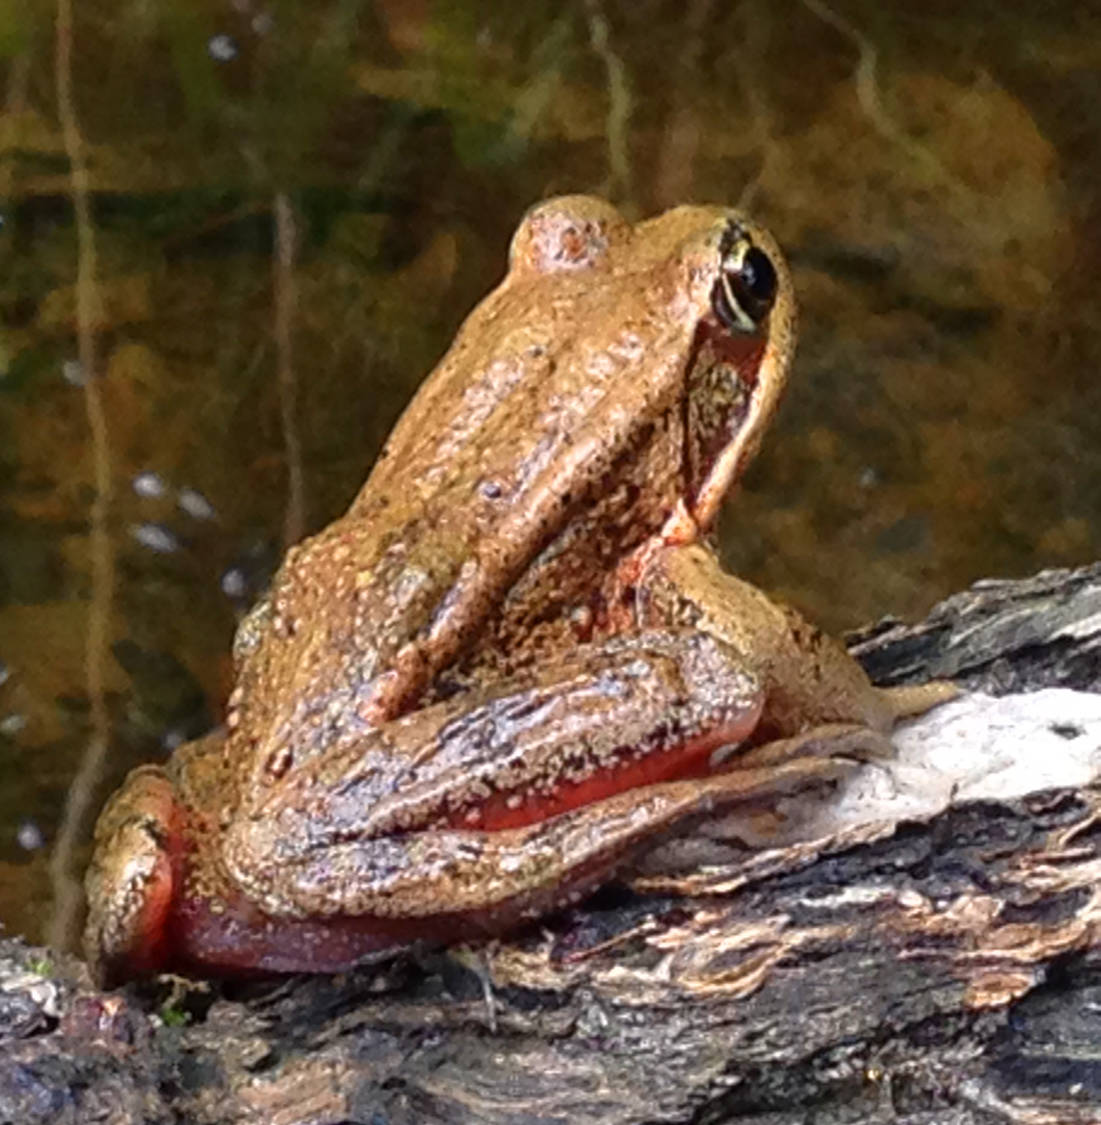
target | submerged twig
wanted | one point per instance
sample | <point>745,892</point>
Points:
<point>871,104</point>
<point>286,300</point>
<point>68,899</point>
<point>619,103</point>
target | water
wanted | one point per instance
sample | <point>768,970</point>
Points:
<point>291,206</point>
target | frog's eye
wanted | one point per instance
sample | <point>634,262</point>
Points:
<point>746,287</point>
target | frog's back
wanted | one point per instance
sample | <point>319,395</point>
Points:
<point>542,448</point>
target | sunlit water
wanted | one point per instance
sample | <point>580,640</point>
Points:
<point>291,206</point>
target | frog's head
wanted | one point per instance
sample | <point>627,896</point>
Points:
<point>704,299</point>
<point>740,297</point>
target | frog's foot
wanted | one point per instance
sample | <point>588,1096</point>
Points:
<point>915,699</point>
<point>132,879</point>
<point>841,741</point>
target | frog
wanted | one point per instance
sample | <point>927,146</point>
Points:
<point>515,660</point>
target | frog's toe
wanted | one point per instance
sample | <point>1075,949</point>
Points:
<point>908,700</point>
<point>831,740</point>
<point>131,880</point>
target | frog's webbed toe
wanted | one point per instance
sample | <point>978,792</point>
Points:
<point>131,881</point>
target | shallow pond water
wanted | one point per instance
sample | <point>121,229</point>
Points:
<point>235,235</point>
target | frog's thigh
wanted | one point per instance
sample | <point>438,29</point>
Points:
<point>369,823</point>
<point>501,877</point>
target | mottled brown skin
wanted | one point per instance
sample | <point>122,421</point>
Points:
<point>515,657</point>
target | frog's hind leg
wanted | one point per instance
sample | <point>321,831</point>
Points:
<point>509,802</point>
<point>453,884</point>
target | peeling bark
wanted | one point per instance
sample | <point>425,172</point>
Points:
<point>914,968</point>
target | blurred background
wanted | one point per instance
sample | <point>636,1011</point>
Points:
<point>236,234</point>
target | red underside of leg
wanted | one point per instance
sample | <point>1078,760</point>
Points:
<point>518,809</point>
<point>234,938</point>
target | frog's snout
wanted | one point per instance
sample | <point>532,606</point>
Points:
<point>131,881</point>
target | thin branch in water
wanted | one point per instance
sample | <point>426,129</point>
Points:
<point>619,103</point>
<point>867,96</point>
<point>755,30</point>
<point>68,897</point>
<point>680,139</point>
<point>534,98</point>
<point>286,301</point>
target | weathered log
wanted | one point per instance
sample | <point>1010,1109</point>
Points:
<point>924,947</point>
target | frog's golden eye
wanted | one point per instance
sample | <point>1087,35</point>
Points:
<point>746,288</point>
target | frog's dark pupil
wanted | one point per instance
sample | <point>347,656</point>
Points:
<point>759,276</point>
<point>745,293</point>
<point>753,284</point>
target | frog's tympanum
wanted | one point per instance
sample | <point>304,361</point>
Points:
<point>515,658</point>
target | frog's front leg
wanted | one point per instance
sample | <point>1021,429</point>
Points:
<point>500,805</point>
<point>816,695</point>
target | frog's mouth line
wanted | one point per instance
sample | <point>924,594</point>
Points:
<point>723,410</point>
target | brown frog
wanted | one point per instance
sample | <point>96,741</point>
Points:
<point>515,657</point>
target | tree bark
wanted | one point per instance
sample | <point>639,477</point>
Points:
<point>926,950</point>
